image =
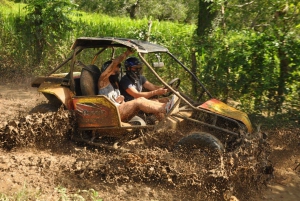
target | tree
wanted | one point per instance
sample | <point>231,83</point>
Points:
<point>254,57</point>
<point>277,20</point>
<point>206,17</point>
<point>171,10</point>
<point>44,25</point>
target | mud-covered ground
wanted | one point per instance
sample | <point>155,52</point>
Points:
<point>39,161</point>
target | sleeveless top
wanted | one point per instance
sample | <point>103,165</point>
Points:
<point>111,93</point>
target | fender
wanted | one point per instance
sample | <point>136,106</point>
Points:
<point>63,94</point>
<point>221,108</point>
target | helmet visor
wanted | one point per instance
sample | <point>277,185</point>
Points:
<point>137,69</point>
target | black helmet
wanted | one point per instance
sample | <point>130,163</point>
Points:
<point>106,64</point>
<point>132,62</point>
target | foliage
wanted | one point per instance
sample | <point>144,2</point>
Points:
<point>250,56</point>
<point>22,194</point>
<point>80,195</point>
<point>205,19</point>
<point>63,194</point>
<point>9,41</point>
<point>181,11</point>
<point>248,53</point>
<point>45,24</point>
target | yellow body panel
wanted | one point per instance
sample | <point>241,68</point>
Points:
<point>219,107</point>
<point>62,93</point>
<point>96,112</point>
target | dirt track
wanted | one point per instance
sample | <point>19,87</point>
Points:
<point>48,163</point>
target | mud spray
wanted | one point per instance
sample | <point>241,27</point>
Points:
<point>151,161</point>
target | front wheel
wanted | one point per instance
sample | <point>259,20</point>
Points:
<point>200,140</point>
<point>202,148</point>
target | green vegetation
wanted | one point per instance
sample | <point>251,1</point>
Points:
<point>81,195</point>
<point>179,10</point>
<point>61,193</point>
<point>241,52</point>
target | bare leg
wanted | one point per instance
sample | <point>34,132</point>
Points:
<point>128,109</point>
<point>150,106</point>
<point>163,100</point>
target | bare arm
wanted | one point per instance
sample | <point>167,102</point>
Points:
<point>104,78</point>
<point>151,87</point>
<point>154,90</point>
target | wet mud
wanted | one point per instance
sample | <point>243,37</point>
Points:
<point>37,152</point>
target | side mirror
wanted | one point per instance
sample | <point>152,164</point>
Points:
<point>159,63</point>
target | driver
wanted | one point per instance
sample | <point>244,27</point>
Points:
<point>107,85</point>
<point>132,83</point>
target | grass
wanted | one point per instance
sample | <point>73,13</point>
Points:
<point>8,7</point>
<point>62,194</point>
<point>80,195</point>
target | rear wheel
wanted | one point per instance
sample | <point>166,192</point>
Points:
<point>44,108</point>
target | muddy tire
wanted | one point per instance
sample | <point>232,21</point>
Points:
<point>200,140</point>
<point>202,149</point>
<point>44,108</point>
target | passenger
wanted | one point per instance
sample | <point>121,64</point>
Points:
<point>133,82</point>
<point>108,86</point>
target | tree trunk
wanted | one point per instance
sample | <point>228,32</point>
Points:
<point>38,37</point>
<point>194,70</point>
<point>133,9</point>
<point>284,63</point>
<point>205,18</point>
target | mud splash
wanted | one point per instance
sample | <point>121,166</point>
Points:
<point>151,161</point>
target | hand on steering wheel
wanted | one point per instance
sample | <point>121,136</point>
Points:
<point>174,83</point>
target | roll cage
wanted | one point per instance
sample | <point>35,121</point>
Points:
<point>143,48</point>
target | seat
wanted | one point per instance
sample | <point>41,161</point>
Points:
<point>89,87</point>
<point>89,80</point>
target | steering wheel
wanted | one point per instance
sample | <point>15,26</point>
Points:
<point>174,83</point>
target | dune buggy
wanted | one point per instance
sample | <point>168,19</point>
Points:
<point>203,120</point>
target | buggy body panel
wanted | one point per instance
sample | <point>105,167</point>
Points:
<point>63,94</point>
<point>96,112</point>
<point>221,108</point>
